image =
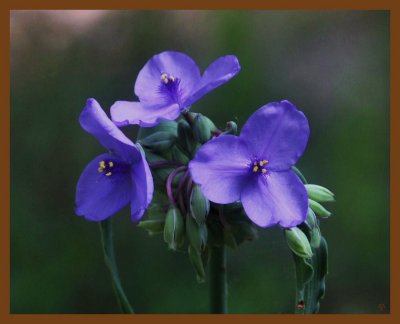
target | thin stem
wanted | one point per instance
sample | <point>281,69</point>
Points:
<point>170,178</point>
<point>109,257</point>
<point>217,278</point>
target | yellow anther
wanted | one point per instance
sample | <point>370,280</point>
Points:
<point>164,76</point>
<point>255,169</point>
<point>108,174</point>
<point>100,170</point>
<point>111,164</point>
<point>102,164</point>
<point>263,170</point>
<point>263,162</point>
<point>165,81</point>
<point>172,78</point>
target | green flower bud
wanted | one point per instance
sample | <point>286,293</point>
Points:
<point>159,173</point>
<point>165,126</point>
<point>318,209</point>
<point>178,155</point>
<point>196,234</point>
<point>231,128</point>
<point>201,129</point>
<point>185,137</point>
<point>197,262</point>
<point>319,193</point>
<point>311,218</point>
<point>298,242</point>
<point>159,141</point>
<point>315,237</point>
<point>174,229</point>
<point>153,226</point>
<point>199,205</point>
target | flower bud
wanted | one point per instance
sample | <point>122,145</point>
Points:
<point>197,262</point>
<point>185,137</point>
<point>319,193</point>
<point>231,128</point>
<point>315,237</point>
<point>311,218</point>
<point>298,242</point>
<point>174,228</point>
<point>318,209</point>
<point>178,155</point>
<point>160,173</point>
<point>196,234</point>
<point>153,226</point>
<point>199,205</point>
<point>202,128</point>
<point>159,141</point>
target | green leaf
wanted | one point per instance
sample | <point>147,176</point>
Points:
<point>310,277</point>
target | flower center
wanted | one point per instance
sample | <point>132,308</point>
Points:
<point>109,168</point>
<point>169,87</point>
<point>258,166</point>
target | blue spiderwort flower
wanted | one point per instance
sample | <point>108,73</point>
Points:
<point>168,84</point>
<point>113,180</point>
<point>255,167</point>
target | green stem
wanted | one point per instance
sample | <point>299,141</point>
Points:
<point>217,278</point>
<point>109,257</point>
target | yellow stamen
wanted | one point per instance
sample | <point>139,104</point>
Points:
<point>172,78</point>
<point>263,162</point>
<point>164,76</point>
<point>255,169</point>
<point>102,164</point>
<point>108,174</point>
<point>165,81</point>
<point>111,164</point>
<point>100,170</point>
<point>263,170</point>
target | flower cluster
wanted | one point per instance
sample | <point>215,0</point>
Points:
<point>210,185</point>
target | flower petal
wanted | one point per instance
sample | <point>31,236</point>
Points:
<point>279,198</point>
<point>179,65</point>
<point>143,188</point>
<point>217,73</point>
<point>221,168</point>
<point>277,132</point>
<point>134,113</point>
<point>98,196</point>
<point>95,121</point>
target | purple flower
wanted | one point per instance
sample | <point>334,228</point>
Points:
<point>168,84</point>
<point>255,167</point>
<point>112,180</point>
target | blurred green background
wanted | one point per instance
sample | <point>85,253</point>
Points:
<point>333,65</point>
